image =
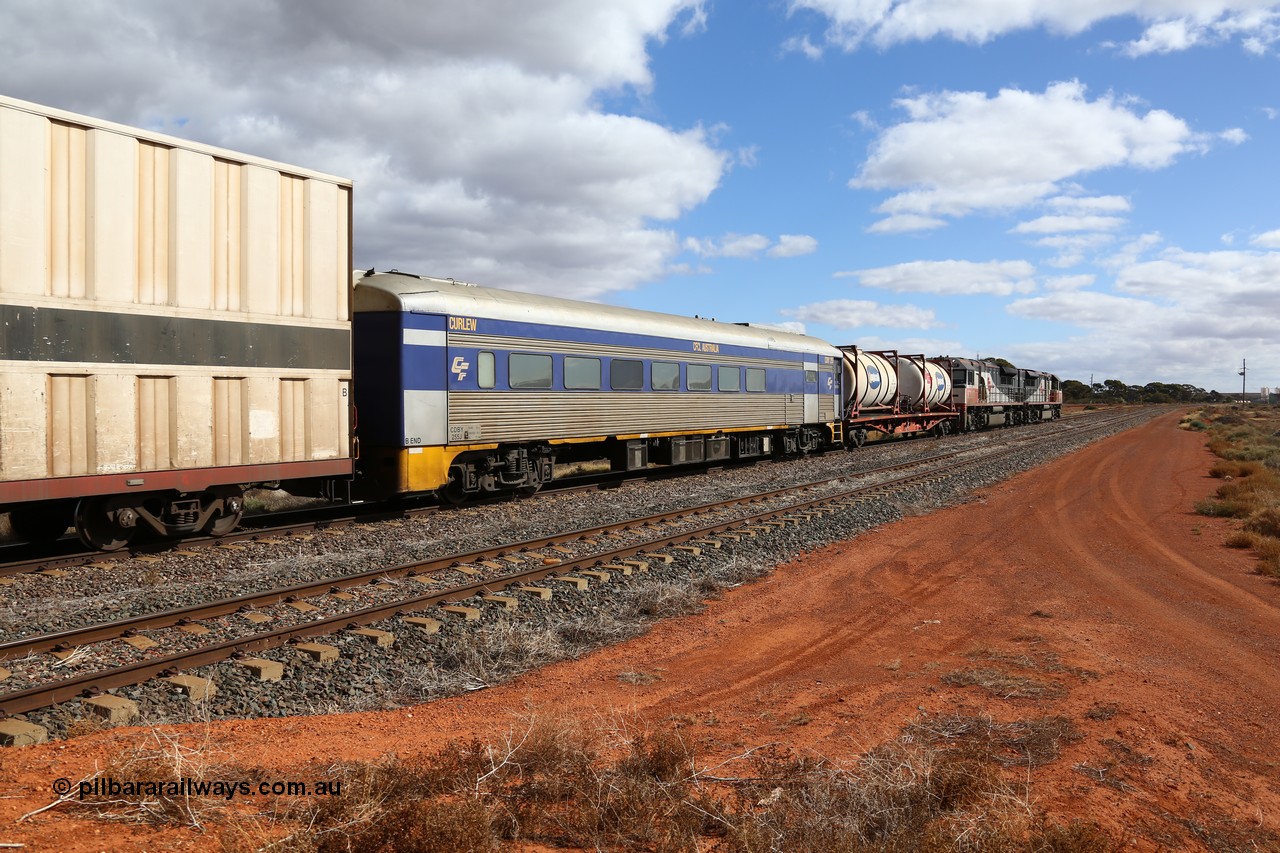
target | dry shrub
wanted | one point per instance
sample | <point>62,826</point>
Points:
<point>940,786</point>
<point>1221,509</point>
<point>418,826</point>
<point>1102,712</point>
<point>1264,522</point>
<point>908,795</point>
<point>1002,684</point>
<point>1268,551</point>
<point>663,601</point>
<point>889,800</point>
<point>1241,540</point>
<point>166,783</point>
<point>1028,743</point>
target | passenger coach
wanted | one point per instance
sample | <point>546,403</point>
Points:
<point>462,390</point>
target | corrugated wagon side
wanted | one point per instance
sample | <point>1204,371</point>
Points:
<point>176,326</point>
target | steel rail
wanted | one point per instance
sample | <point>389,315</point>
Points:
<point>112,630</point>
<point>44,695</point>
<point>324,517</point>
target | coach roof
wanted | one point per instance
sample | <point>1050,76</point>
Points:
<point>396,291</point>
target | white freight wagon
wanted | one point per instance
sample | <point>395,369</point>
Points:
<point>174,326</point>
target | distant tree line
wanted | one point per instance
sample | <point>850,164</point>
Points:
<point>1115,391</point>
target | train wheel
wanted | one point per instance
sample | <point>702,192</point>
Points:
<point>232,511</point>
<point>41,523</point>
<point>102,527</point>
<point>454,492</point>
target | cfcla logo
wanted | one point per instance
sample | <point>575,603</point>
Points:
<point>460,367</point>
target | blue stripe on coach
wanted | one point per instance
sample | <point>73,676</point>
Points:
<point>544,332</point>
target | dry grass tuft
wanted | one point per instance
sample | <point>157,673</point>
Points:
<point>638,678</point>
<point>1027,743</point>
<point>171,781</point>
<point>1250,468</point>
<point>1003,685</point>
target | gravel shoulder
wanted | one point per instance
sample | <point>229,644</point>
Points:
<point>1089,577</point>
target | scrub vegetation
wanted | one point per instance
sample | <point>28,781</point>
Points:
<point>1247,439</point>
<point>945,784</point>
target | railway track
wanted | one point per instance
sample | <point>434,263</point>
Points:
<point>499,574</point>
<point>67,553</point>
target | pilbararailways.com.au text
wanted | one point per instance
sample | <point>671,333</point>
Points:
<point>107,786</point>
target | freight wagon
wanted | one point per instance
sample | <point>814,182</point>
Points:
<point>176,325</point>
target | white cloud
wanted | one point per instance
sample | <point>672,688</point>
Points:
<point>793,245</point>
<point>751,246</point>
<point>1209,280</point>
<point>1090,204</point>
<point>728,246</point>
<point>474,134</point>
<point>1060,224</point>
<point>860,313</point>
<point>1082,307</point>
<point>905,222</point>
<point>1170,24</point>
<point>1257,25</point>
<point>1064,283</point>
<point>1235,136</point>
<point>1180,317</point>
<point>912,345</point>
<point>1131,252</point>
<point>788,326</point>
<point>1268,240</point>
<point>1011,150</point>
<point>999,278</point>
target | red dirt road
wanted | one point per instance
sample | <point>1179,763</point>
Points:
<point>1090,577</point>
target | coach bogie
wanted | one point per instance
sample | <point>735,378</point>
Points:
<point>798,441</point>
<point>505,469</point>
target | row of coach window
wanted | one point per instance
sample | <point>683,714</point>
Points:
<point>582,373</point>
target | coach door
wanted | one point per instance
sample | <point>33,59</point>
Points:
<point>811,392</point>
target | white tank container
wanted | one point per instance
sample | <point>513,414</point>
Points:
<point>872,379</point>
<point>930,386</point>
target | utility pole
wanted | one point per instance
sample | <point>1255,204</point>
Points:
<point>1243,378</point>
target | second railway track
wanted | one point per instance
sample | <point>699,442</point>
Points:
<point>451,580</point>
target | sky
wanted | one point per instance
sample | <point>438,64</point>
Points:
<point>1085,187</point>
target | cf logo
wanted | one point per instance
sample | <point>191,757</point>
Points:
<point>460,367</point>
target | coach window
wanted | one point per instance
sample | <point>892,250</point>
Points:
<point>729,378</point>
<point>529,371</point>
<point>484,370</point>
<point>755,378</point>
<point>664,376</point>
<point>811,376</point>
<point>626,375</point>
<point>581,373</point>
<point>699,377</point>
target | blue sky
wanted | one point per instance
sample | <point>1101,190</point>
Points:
<point>1088,188</point>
